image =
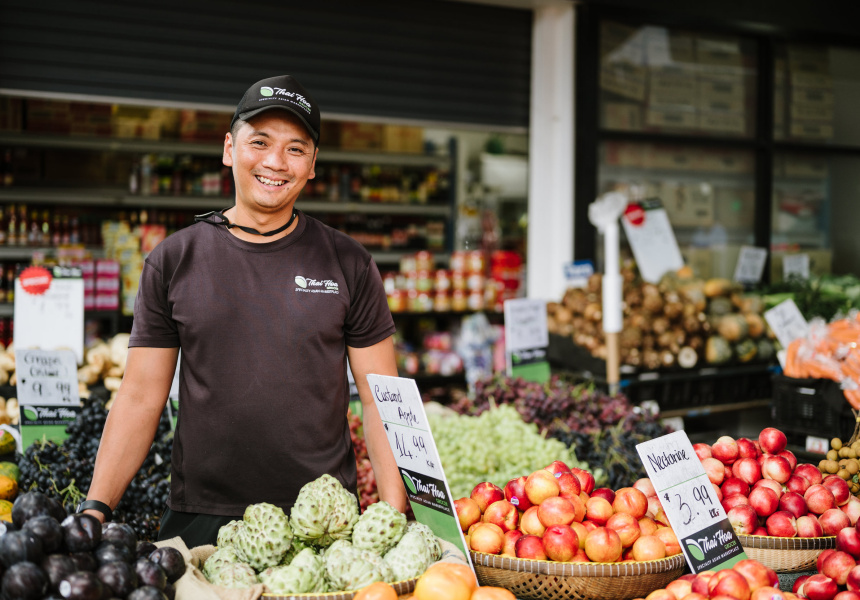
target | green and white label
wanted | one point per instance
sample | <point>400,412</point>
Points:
<point>402,412</point>
<point>687,496</point>
<point>47,391</point>
<point>526,339</point>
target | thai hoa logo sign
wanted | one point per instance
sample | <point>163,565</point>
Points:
<point>701,547</point>
<point>268,92</point>
<point>416,486</point>
<point>316,286</point>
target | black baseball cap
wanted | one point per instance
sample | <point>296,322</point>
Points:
<point>282,92</point>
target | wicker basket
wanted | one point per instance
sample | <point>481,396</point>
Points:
<point>547,580</point>
<point>786,555</point>
<point>403,589</point>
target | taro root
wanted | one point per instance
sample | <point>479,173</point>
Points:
<point>660,325</point>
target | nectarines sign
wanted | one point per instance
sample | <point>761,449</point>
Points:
<point>687,497</point>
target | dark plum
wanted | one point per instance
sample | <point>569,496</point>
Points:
<point>150,573</point>
<point>108,552</point>
<point>119,578</point>
<point>84,561</point>
<point>82,585</point>
<point>57,510</point>
<point>147,592</point>
<point>20,546</point>
<point>24,581</point>
<point>29,505</point>
<point>169,591</point>
<point>57,567</point>
<point>48,530</point>
<point>120,534</point>
<point>171,560</point>
<point>6,527</point>
<point>81,532</point>
<point>144,549</point>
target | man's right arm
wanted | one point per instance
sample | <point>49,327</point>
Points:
<point>132,422</point>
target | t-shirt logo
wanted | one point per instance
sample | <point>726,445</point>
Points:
<point>301,282</point>
<point>316,286</point>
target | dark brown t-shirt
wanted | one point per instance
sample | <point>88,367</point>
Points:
<point>263,330</point>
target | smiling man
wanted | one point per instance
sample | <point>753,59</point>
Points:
<point>266,304</point>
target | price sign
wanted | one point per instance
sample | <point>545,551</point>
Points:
<point>405,422</point>
<point>49,309</point>
<point>651,239</point>
<point>795,265</point>
<point>687,496</point>
<point>47,391</point>
<point>526,339</point>
<point>787,322</point>
<point>576,273</point>
<point>750,265</point>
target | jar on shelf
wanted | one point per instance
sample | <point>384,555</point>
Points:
<point>443,281</point>
<point>458,280</point>
<point>459,301</point>
<point>442,301</point>
<point>458,261</point>
<point>424,261</point>
<point>397,301</point>
<point>475,300</point>
<point>420,301</point>
<point>475,282</point>
<point>407,263</point>
<point>476,262</point>
<point>424,281</point>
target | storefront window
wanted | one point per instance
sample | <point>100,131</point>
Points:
<point>656,79</point>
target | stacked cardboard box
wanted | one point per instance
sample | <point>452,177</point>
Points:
<point>810,102</point>
<point>203,126</point>
<point>76,118</point>
<point>622,61</point>
<point>361,136</point>
<point>403,139</point>
<point>11,114</point>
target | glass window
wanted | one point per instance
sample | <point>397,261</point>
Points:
<point>817,93</point>
<point>663,80</point>
<point>707,193</point>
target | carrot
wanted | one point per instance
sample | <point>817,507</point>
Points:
<point>853,397</point>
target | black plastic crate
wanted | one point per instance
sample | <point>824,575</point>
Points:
<point>815,407</point>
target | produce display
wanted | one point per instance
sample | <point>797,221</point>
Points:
<point>602,430</point>
<point>825,296</point>
<point>494,446</point>
<point>450,581</point>
<point>325,544</point>
<point>829,351</point>
<point>838,574</point>
<point>746,580</point>
<point>764,490</point>
<point>680,322</point>
<point>555,513</point>
<point>843,460</point>
<point>367,492</point>
<point>46,553</point>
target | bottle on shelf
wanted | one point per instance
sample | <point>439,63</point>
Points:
<point>46,228</point>
<point>9,276</point>
<point>23,225</point>
<point>12,227</point>
<point>34,235</point>
<point>3,231</point>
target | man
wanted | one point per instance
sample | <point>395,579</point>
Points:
<point>266,304</point>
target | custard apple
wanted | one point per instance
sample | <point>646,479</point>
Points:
<point>324,512</point>
<point>236,575</point>
<point>410,557</point>
<point>347,567</point>
<point>433,543</point>
<point>266,536</point>
<point>379,528</point>
<point>377,561</point>
<point>228,533</point>
<point>304,575</point>
<point>225,555</point>
<point>296,547</point>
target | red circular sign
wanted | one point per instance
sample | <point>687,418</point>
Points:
<point>35,280</point>
<point>635,214</point>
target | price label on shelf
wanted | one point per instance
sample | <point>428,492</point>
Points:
<point>47,391</point>
<point>787,322</point>
<point>402,412</point>
<point>750,265</point>
<point>652,239</point>
<point>795,265</point>
<point>687,496</point>
<point>526,339</point>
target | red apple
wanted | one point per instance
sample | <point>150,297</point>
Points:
<point>746,448</point>
<point>468,512</point>
<point>703,451</point>
<point>743,518</point>
<point>715,469</point>
<point>838,487</point>
<point>485,493</point>
<point>626,526</point>
<point>729,502</point>
<point>776,468</point>
<point>818,587</point>
<point>725,449</point>
<point>605,493</point>
<point>502,513</point>
<point>560,543</point>
<point>530,523</point>
<point>852,509</point>
<point>764,500</point>
<point>700,582</point>
<point>833,521</point>
<point>793,503</point>
<point>603,545</point>
<point>530,546</point>
<point>731,583</point>
<point>735,485</point>
<point>790,457</point>
<point>645,486</point>
<point>769,483</point>
<point>781,524</point>
<point>667,535</point>
<point>819,499</point>
<point>853,580</point>
<point>515,493</point>
<point>848,540</point>
<point>586,479</point>
<point>756,574</point>
<point>810,472</point>
<point>557,467</point>
<point>631,501</point>
<point>568,486</point>
<point>598,510</point>
<point>747,470</point>
<point>556,511</point>
<point>772,440</point>
<point>837,565</point>
<point>487,537</point>
<point>509,547</point>
<point>797,484</point>
<point>541,485</point>
<point>809,527</point>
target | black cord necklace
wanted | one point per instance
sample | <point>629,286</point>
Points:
<point>216,217</point>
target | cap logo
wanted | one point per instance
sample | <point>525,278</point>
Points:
<point>266,91</point>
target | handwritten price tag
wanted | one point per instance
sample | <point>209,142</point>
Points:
<point>52,317</point>
<point>750,265</point>
<point>526,339</point>
<point>402,412</point>
<point>787,322</point>
<point>47,393</point>
<point>652,239</point>
<point>795,265</point>
<point>687,496</point>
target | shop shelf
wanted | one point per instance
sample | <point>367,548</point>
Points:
<point>810,407</point>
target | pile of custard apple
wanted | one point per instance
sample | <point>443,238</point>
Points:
<point>323,546</point>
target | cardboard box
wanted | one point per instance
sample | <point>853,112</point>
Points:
<point>668,157</point>
<point>811,112</point>
<point>624,154</point>
<point>203,126</point>
<point>803,79</point>
<point>724,161</point>
<point>719,51</point>
<point>812,96</point>
<point>671,119</point>
<point>734,207</point>
<point>624,79</point>
<point>820,262</point>
<point>672,88</point>
<point>361,136</point>
<point>728,123</point>
<point>664,47</point>
<point>805,166</point>
<point>811,130</point>
<point>403,139</point>
<point>623,116</point>
<point>726,94</point>
<point>688,205</point>
<point>11,114</point>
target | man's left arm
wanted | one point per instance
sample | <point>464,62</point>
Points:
<point>378,360</point>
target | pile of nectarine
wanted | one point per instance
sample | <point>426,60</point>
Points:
<point>747,580</point>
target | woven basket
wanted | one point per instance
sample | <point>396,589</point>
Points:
<point>547,580</point>
<point>786,555</point>
<point>403,589</point>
